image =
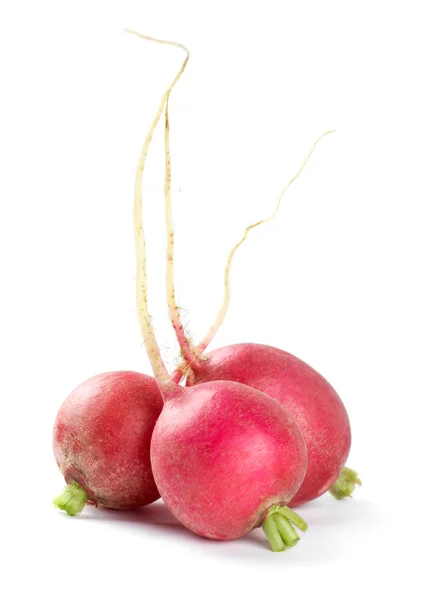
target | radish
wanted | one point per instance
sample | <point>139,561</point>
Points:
<point>307,396</point>
<point>102,439</point>
<point>103,430</point>
<point>225,457</point>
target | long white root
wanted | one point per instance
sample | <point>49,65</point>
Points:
<point>188,365</point>
<point>226,299</point>
<point>188,351</point>
<point>146,327</point>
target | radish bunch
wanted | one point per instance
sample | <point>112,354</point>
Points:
<point>253,431</point>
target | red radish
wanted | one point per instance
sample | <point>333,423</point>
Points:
<point>304,393</point>
<point>225,457</point>
<point>102,442</point>
<point>103,430</point>
<point>223,454</point>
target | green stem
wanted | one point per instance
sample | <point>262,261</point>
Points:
<point>345,484</point>
<point>272,534</point>
<point>72,499</point>
<point>293,517</point>
<point>278,527</point>
<point>286,530</point>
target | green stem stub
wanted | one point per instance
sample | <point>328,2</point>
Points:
<point>72,499</point>
<point>345,484</point>
<point>278,527</point>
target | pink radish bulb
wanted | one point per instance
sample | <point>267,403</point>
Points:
<point>102,439</point>
<point>223,454</point>
<point>308,398</point>
<point>215,446</point>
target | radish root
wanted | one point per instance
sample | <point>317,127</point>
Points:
<point>195,359</point>
<point>146,327</point>
<point>226,300</point>
<point>189,353</point>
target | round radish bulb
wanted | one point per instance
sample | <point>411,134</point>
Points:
<point>225,457</point>
<point>308,398</point>
<point>102,439</point>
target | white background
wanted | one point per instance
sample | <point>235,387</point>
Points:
<point>339,279</point>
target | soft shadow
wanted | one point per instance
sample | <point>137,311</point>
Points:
<point>155,516</point>
<point>331,524</point>
<point>158,519</point>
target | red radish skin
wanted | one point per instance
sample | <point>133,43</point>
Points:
<point>304,393</point>
<point>222,455</point>
<point>102,439</point>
